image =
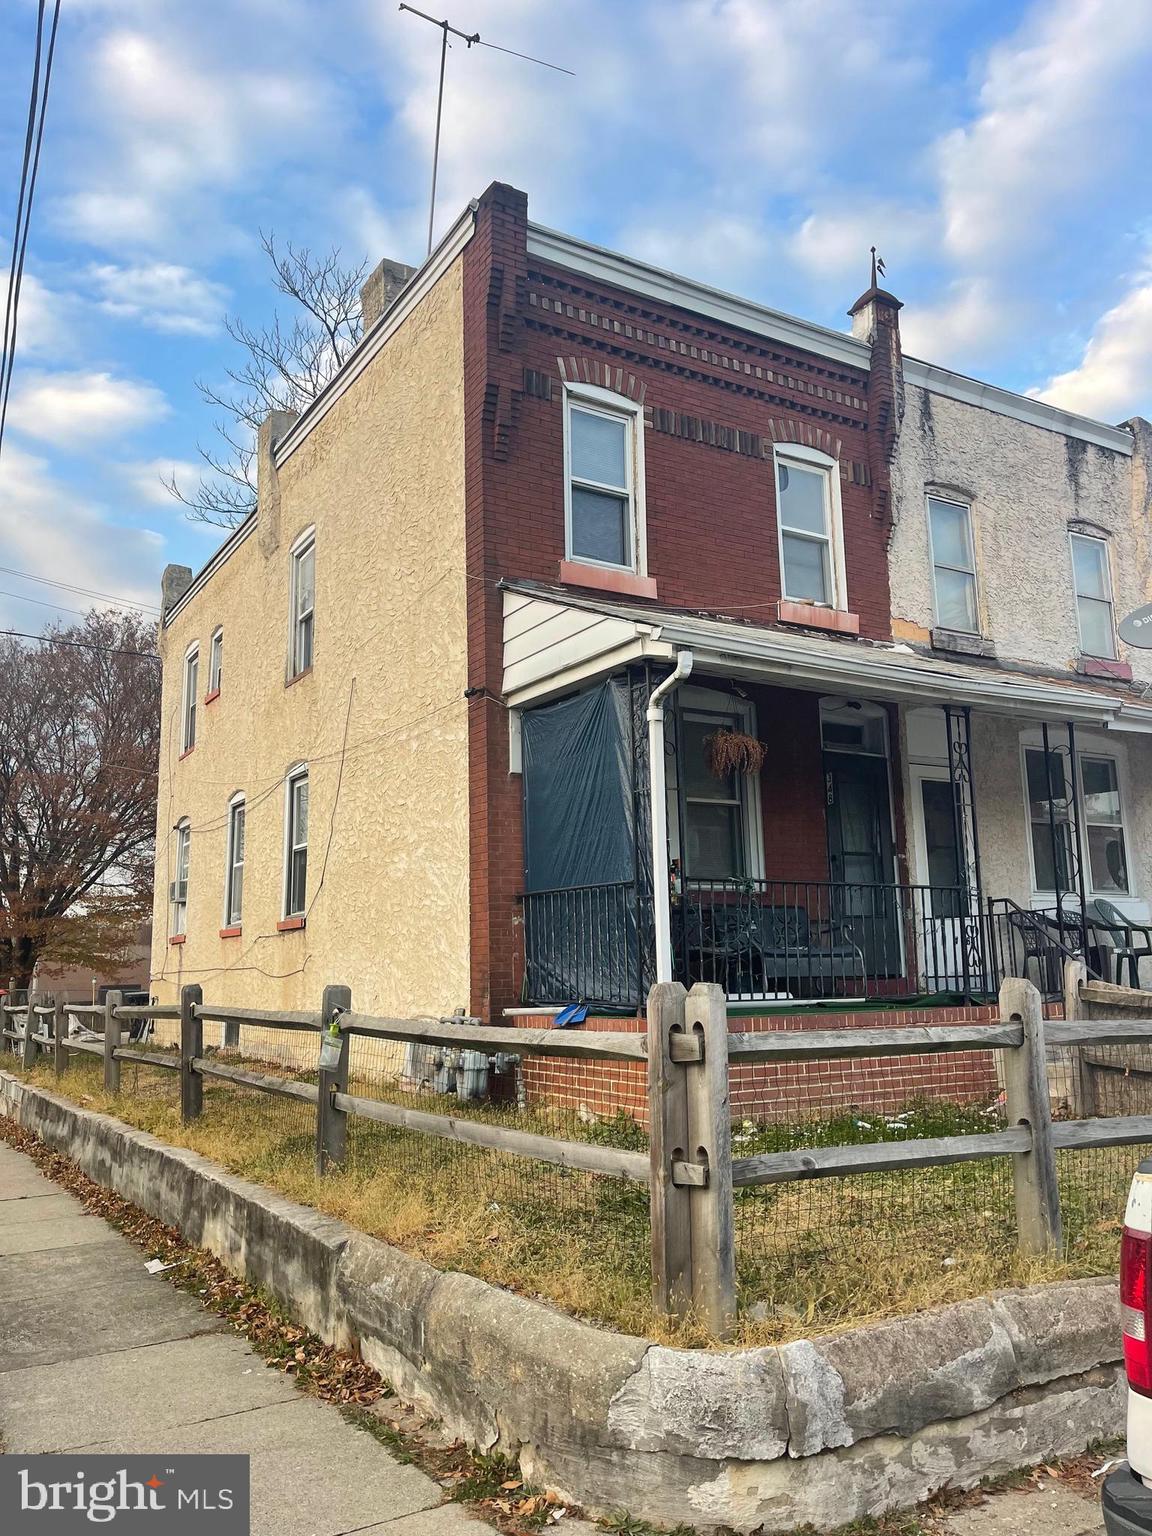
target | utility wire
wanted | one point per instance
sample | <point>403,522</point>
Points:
<point>81,645</point>
<point>33,140</point>
<point>67,586</point>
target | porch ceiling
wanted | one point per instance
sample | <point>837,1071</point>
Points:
<point>555,640</point>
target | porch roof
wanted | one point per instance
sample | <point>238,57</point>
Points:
<point>555,640</point>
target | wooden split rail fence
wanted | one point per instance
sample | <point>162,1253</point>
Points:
<point>690,1168</point>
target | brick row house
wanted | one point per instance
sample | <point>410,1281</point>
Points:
<point>596,626</point>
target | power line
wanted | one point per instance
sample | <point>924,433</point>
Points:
<point>43,603</point>
<point>66,586</point>
<point>82,645</point>
<point>33,140</point>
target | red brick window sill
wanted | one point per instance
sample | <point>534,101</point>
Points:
<point>177,938</point>
<point>1101,666</point>
<point>187,752</point>
<point>210,698</point>
<point>307,672</point>
<point>231,933</point>
<point>289,924</point>
<point>837,620</point>
<point>606,580</point>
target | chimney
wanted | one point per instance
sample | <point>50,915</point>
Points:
<point>383,284</point>
<point>173,584</point>
<point>876,321</point>
<point>274,426</point>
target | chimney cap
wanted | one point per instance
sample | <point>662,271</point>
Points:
<point>876,295</point>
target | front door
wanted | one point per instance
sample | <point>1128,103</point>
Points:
<point>941,901</point>
<point>859,812</point>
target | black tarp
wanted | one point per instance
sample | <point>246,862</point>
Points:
<point>585,789</point>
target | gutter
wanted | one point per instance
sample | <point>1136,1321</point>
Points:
<point>661,893</point>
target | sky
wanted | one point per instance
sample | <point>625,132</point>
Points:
<point>996,152</point>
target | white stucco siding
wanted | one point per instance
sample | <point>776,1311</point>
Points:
<point>1025,486</point>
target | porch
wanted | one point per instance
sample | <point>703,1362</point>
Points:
<point>905,846</point>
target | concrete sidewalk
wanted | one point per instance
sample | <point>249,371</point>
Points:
<point>98,1355</point>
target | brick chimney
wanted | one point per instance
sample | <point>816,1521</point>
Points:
<point>380,287</point>
<point>876,320</point>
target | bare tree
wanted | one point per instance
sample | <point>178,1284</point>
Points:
<point>79,743</point>
<point>285,366</point>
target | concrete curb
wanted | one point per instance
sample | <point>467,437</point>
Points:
<point>821,1431</point>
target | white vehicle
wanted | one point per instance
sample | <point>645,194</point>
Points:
<point>1127,1496</point>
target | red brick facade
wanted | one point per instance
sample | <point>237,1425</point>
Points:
<point>715,399</point>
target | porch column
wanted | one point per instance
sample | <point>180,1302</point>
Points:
<point>958,724</point>
<point>1078,855</point>
<point>1071,878</point>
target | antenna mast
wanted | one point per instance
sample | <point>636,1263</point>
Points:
<point>469,39</point>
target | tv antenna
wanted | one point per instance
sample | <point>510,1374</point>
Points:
<point>469,38</point>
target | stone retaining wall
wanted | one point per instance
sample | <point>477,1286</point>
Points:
<point>820,1431</point>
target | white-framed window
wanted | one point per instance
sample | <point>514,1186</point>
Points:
<point>1093,583</point>
<point>953,565</point>
<point>178,890</point>
<point>215,660</point>
<point>715,827</point>
<point>188,709</point>
<point>296,843</point>
<point>234,872</point>
<point>1099,804</point>
<point>809,527</point>
<point>603,479</point>
<point>303,604</point>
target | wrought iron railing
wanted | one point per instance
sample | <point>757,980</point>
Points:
<point>836,939</point>
<point>1035,943</point>
<point>588,943</point>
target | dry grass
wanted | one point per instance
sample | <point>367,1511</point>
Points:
<point>814,1257</point>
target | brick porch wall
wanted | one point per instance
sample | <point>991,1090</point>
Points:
<point>785,1090</point>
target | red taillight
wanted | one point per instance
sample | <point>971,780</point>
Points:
<point>1135,1256</point>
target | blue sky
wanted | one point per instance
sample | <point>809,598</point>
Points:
<point>995,152</point>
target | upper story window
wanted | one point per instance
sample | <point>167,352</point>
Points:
<point>234,875</point>
<point>953,565</point>
<point>178,890</point>
<point>604,480</point>
<point>188,710</point>
<point>303,604</point>
<point>1093,582</point>
<point>809,528</point>
<point>296,852</point>
<point>215,661</point>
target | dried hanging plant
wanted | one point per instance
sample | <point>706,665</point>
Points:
<point>734,752</point>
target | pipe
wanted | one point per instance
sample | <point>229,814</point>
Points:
<point>661,895</point>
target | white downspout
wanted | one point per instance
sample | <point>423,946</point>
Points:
<point>661,894</point>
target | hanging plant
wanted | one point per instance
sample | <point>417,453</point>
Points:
<point>734,752</point>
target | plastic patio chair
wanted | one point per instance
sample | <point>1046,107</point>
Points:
<point>1125,937</point>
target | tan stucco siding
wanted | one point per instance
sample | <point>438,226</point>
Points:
<point>1025,486</point>
<point>380,719</point>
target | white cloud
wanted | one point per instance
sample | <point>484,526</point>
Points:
<point>160,295</point>
<point>972,314</point>
<point>723,249</point>
<point>149,479</point>
<point>47,530</point>
<point>46,318</point>
<point>1113,379</point>
<point>69,408</point>
<point>834,243</point>
<point>1045,128</point>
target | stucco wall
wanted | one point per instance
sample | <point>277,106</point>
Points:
<point>380,719</point>
<point>1025,485</point>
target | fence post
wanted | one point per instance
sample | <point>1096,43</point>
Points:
<point>59,1035</point>
<point>1082,1083</point>
<point>191,1046</point>
<point>28,1056</point>
<point>112,1042</point>
<point>332,1123</point>
<point>667,1143</point>
<point>710,1143</point>
<point>1027,1103</point>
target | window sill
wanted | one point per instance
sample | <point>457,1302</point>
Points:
<point>307,672</point>
<point>1102,666</point>
<point>231,933</point>
<point>290,924</point>
<point>961,643</point>
<point>177,938</point>
<point>188,751</point>
<point>574,574</point>
<point>811,616</point>
<point>210,698</point>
